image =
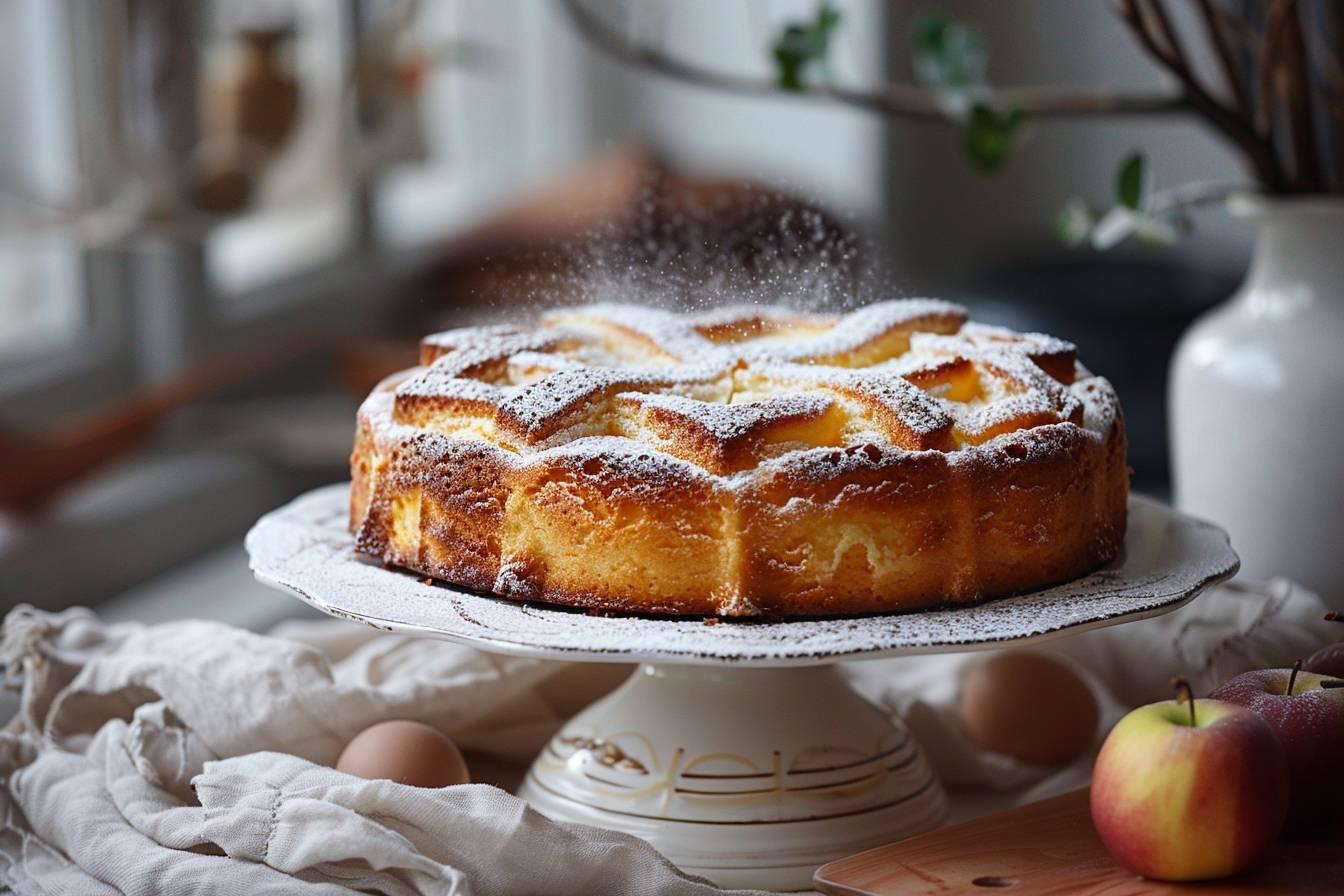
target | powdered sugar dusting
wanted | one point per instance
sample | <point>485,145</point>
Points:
<point>1007,411</point>
<point>731,422</point>
<point>1100,405</point>
<point>730,372</point>
<point>864,326</point>
<point>467,337</point>
<point>747,319</point>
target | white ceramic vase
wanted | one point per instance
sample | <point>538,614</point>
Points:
<point>1257,400</point>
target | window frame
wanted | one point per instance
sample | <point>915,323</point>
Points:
<point>147,304</point>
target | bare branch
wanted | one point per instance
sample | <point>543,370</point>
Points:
<point>1149,20</point>
<point>1215,27</point>
<point>1276,21</point>
<point>1157,11</point>
<point>1327,73</point>
<point>895,100</point>
<point>1294,82</point>
<point>1240,131</point>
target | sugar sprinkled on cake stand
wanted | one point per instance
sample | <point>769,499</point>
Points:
<point>736,749</point>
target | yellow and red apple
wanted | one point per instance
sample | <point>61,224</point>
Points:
<point>1308,718</point>
<point>1191,790</point>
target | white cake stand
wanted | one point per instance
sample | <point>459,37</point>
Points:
<point>735,748</point>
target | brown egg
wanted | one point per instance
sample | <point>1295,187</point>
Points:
<point>405,752</point>
<point>1029,706</point>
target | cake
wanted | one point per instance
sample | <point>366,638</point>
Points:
<point>743,462</point>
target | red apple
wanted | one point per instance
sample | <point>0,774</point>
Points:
<point>1309,721</point>
<point>1329,660</point>
<point>1189,791</point>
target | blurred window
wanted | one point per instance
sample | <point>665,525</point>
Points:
<point>282,70</point>
<point>496,110</point>
<point>41,306</point>
<point>176,180</point>
<point>58,322</point>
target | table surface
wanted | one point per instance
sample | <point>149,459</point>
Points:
<point>1050,848</point>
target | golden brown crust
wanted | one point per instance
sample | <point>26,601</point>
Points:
<point>703,492</point>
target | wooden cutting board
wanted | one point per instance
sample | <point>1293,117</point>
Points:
<point>1050,849</point>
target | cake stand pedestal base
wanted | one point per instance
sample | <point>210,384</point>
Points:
<point>748,777</point>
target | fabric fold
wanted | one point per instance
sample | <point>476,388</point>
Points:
<point>191,757</point>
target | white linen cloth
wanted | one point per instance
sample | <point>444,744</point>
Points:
<point>192,757</point>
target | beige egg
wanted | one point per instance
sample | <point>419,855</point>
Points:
<point>1029,706</point>
<point>405,752</point>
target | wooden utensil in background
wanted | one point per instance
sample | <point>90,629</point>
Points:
<point>38,466</point>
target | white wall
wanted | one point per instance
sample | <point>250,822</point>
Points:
<point>548,99</point>
<point>826,152</point>
<point>946,219</point>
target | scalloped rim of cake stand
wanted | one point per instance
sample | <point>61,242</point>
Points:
<point>305,548</point>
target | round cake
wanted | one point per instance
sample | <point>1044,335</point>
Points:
<point>748,461</point>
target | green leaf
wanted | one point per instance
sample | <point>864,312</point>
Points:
<point>790,57</point>
<point>828,18</point>
<point>947,53</point>
<point>990,135</point>
<point>1074,222</point>
<point>1113,228</point>
<point>1122,223</point>
<point>1131,181</point>
<point>930,32</point>
<point>801,46</point>
<point>1156,233</point>
<point>1141,216</point>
